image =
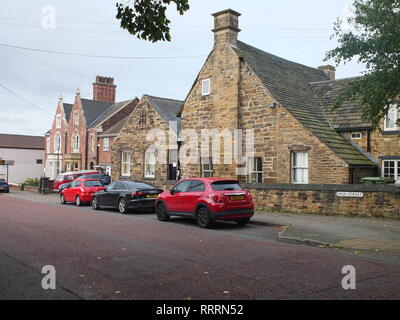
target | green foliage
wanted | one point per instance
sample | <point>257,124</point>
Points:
<point>147,18</point>
<point>375,42</point>
<point>32,182</point>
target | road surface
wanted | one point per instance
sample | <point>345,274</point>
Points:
<point>106,255</point>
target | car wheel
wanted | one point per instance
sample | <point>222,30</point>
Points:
<point>78,201</point>
<point>203,218</point>
<point>243,221</point>
<point>62,199</point>
<point>95,204</point>
<point>122,208</point>
<point>161,212</point>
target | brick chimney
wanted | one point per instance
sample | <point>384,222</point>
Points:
<point>329,70</point>
<point>226,28</point>
<point>104,89</point>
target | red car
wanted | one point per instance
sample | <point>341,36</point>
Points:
<point>68,177</point>
<point>206,200</point>
<point>81,191</point>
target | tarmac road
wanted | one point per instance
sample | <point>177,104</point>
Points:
<point>105,255</point>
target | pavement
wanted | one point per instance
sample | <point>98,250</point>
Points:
<point>106,255</point>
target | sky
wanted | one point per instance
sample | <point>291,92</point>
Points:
<point>31,82</point>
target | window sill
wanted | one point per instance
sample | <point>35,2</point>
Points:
<point>149,178</point>
<point>388,132</point>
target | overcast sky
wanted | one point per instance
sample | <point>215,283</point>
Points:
<point>298,30</point>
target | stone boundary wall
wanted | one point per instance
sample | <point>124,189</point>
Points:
<point>376,200</point>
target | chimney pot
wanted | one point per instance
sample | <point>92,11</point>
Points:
<point>329,70</point>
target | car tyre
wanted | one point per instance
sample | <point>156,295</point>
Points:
<point>62,199</point>
<point>122,208</point>
<point>243,221</point>
<point>161,212</point>
<point>203,218</point>
<point>78,201</point>
<point>95,204</point>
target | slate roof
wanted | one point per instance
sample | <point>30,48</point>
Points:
<point>115,129</point>
<point>289,83</point>
<point>166,108</point>
<point>15,141</point>
<point>67,110</point>
<point>347,116</point>
<point>114,108</point>
<point>93,109</point>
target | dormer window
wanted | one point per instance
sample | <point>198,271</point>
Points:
<point>206,87</point>
<point>391,119</point>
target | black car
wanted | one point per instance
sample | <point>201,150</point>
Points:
<point>4,187</point>
<point>126,195</point>
<point>104,177</point>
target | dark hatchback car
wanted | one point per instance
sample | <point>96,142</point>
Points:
<point>4,187</point>
<point>127,195</point>
<point>103,177</point>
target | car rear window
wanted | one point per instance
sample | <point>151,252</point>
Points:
<point>93,183</point>
<point>138,185</point>
<point>225,185</point>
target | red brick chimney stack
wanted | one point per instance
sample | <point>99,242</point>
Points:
<point>104,89</point>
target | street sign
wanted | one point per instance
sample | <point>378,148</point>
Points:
<point>350,194</point>
<point>7,162</point>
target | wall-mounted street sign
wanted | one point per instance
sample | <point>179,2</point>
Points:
<point>7,162</point>
<point>349,194</point>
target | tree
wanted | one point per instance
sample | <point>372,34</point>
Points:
<point>375,42</point>
<point>147,18</point>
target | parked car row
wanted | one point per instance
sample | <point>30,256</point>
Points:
<point>64,179</point>
<point>203,199</point>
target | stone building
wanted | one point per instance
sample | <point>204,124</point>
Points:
<point>72,143</point>
<point>134,156</point>
<point>297,138</point>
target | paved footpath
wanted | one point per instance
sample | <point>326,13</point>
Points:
<point>104,255</point>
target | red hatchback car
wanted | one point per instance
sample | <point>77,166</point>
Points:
<point>81,191</point>
<point>206,200</point>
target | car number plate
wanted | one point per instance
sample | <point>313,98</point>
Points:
<point>236,197</point>
<point>152,196</point>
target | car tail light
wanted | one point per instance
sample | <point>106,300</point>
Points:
<point>137,194</point>
<point>217,198</point>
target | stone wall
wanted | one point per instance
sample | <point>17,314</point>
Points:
<point>377,200</point>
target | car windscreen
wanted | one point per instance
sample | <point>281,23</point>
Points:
<point>225,185</point>
<point>93,183</point>
<point>138,185</point>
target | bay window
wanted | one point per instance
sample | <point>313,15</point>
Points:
<point>391,169</point>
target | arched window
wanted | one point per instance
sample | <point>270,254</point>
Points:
<point>75,142</point>
<point>57,143</point>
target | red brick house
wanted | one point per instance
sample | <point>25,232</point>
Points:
<point>72,143</point>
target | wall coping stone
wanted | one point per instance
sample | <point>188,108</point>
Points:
<point>391,188</point>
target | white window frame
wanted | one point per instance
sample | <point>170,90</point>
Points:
<point>92,143</point>
<point>207,168</point>
<point>57,137</point>
<point>206,87</point>
<point>58,121</point>
<point>125,164</point>
<point>76,142</point>
<point>106,146</point>
<point>392,109</point>
<point>76,118</point>
<point>396,169</point>
<point>149,164</point>
<point>356,135</point>
<point>303,167</point>
<point>48,145</point>
<point>254,175</point>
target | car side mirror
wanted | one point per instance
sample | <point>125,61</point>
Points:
<point>171,190</point>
